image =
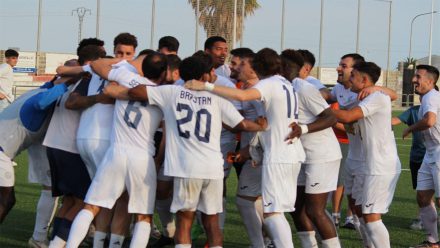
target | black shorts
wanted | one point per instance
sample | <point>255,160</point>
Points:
<point>69,174</point>
<point>414,167</point>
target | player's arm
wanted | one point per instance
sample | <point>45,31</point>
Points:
<point>69,70</point>
<point>348,116</point>
<point>428,121</point>
<point>327,95</point>
<point>226,92</point>
<point>78,101</point>
<point>116,91</point>
<point>339,126</point>
<point>325,120</point>
<point>370,90</point>
<point>102,67</point>
<point>248,126</point>
<point>138,93</point>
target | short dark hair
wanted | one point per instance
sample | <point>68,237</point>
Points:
<point>125,39</point>
<point>266,63</point>
<point>192,68</point>
<point>430,70</point>
<point>292,61</point>
<point>11,53</point>
<point>308,56</point>
<point>154,65</point>
<point>173,62</point>
<point>170,42</point>
<point>369,68</point>
<point>243,52</point>
<point>89,41</point>
<point>357,58</point>
<point>209,43</point>
<point>146,52</point>
<point>90,53</point>
<point>206,60</point>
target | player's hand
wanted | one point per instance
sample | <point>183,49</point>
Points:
<point>2,96</point>
<point>113,89</point>
<point>105,99</point>
<point>367,91</point>
<point>195,85</point>
<point>406,132</point>
<point>294,134</point>
<point>262,121</point>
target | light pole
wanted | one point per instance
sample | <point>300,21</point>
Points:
<point>153,13</point>
<point>411,30</point>
<point>321,28</point>
<point>389,38</point>
<point>197,25</point>
<point>430,32</point>
<point>98,12</point>
<point>282,25</point>
<point>358,26</point>
<point>81,12</point>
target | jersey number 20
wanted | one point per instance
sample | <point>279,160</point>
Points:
<point>189,115</point>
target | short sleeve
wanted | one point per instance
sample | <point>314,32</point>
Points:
<point>127,78</point>
<point>230,115</point>
<point>405,116</point>
<point>431,104</point>
<point>265,89</point>
<point>314,101</point>
<point>373,103</point>
<point>87,68</point>
<point>160,95</point>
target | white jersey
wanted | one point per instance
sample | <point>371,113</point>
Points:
<point>315,82</point>
<point>193,126</point>
<point>321,146</point>
<point>63,126</point>
<point>96,121</point>
<point>251,111</point>
<point>223,71</point>
<point>14,137</point>
<point>431,136</point>
<point>6,80</point>
<point>134,123</point>
<point>227,136</point>
<point>281,107</point>
<point>377,135</point>
<point>347,99</point>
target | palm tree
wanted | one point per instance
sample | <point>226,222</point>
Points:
<point>217,16</point>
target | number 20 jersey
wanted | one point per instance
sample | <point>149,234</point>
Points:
<point>193,128</point>
<point>134,122</point>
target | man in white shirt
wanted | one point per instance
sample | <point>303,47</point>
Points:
<point>428,176</point>
<point>217,48</point>
<point>281,163</point>
<point>382,166</point>
<point>7,79</point>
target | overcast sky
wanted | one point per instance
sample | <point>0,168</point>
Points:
<point>18,26</point>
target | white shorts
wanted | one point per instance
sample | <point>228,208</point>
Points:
<point>278,187</point>
<point>39,169</point>
<point>123,168</point>
<point>352,173</point>
<point>161,175</point>
<point>92,153</point>
<point>190,194</point>
<point>7,177</point>
<point>225,148</point>
<point>428,177</point>
<point>249,182</point>
<point>319,177</point>
<point>378,192</point>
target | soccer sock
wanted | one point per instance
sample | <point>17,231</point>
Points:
<point>366,240</point>
<point>251,221</point>
<point>428,215</point>
<point>222,216</point>
<point>116,240</point>
<point>279,230</point>
<point>99,239</point>
<point>57,242</point>
<point>331,243</point>
<point>183,246</point>
<point>141,234</point>
<point>46,205</point>
<point>336,218</point>
<point>79,228</point>
<point>307,239</point>
<point>55,227</point>
<point>64,229</point>
<point>166,217</point>
<point>378,234</point>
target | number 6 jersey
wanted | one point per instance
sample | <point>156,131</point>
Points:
<point>193,126</point>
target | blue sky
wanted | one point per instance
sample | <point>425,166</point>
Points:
<point>18,25</point>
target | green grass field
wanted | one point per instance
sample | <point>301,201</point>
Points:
<point>17,228</point>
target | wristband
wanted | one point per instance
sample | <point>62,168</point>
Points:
<point>304,129</point>
<point>209,86</point>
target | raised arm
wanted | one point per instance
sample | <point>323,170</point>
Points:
<point>102,67</point>
<point>116,91</point>
<point>325,119</point>
<point>428,121</point>
<point>370,90</point>
<point>227,92</point>
<point>348,116</point>
<point>69,70</point>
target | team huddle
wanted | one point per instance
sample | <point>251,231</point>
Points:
<point>120,138</point>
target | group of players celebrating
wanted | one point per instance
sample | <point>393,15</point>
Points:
<point>131,135</point>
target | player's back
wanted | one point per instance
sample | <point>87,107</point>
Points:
<point>193,127</point>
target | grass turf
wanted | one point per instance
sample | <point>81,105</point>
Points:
<point>18,226</point>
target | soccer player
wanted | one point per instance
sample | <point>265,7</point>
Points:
<point>319,173</point>
<point>168,45</point>
<point>382,166</point>
<point>237,56</point>
<point>128,163</point>
<point>6,78</point>
<point>428,186</point>
<point>281,163</point>
<point>306,69</point>
<point>125,46</point>
<point>193,121</point>
<point>217,48</point>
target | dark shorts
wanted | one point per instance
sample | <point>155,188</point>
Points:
<point>69,174</point>
<point>414,167</point>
